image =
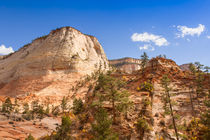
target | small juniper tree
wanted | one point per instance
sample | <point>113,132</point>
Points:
<point>165,81</point>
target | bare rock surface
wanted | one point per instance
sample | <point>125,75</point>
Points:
<point>51,64</point>
<point>20,130</point>
<point>127,64</point>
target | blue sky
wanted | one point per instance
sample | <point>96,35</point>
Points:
<point>125,28</point>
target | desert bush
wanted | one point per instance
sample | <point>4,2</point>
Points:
<point>30,137</point>
<point>7,106</point>
<point>78,106</point>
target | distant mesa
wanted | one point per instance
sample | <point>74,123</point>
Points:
<point>127,64</point>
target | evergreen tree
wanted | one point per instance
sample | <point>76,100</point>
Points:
<point>78,106</point>
<point>207,68</point>
<point>64,130</point>
<point>142,126</point>
<point>165,81</point>
<point>101,129</point>
<point>64,104</point>
<point>191,86</point>
<point>111,89</point>
<point>26,108</point>
<point>7,106</point>
<point>199,79</point>
<point>144,61</point>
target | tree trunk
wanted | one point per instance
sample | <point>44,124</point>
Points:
<point>141,134</point>
<point>172,115</point>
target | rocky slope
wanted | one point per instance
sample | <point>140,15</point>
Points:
<point>127,64</point>
<point>185,67</point>
<point>158,117</point>
<point>51,65</point>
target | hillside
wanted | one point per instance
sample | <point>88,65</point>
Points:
<point>61,87</point>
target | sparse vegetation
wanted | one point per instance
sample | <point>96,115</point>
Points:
<point>165,83</point>
<point>78,106</point>
<point>7,106</point>
<point>142,126</point>
<point>111,89</point>
<point>101,129</point>
<point>30,137</point>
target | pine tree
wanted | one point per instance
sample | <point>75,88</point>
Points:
<point>78,106</point>
<point>64,104</point>
<point>101,129</point>
<point>142,126</point>
<point>111,89</point>
<point>207,68</point>
<point>199,79</point>
<point>193,72</point>
<point>64,130</point>
<point>165,81</point>
<point>144,61</point>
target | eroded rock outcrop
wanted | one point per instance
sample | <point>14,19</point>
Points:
<point>51,64</point>
<point>127,64</point>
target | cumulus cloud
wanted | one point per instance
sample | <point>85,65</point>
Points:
<point>208,36</point>
<point>184,30</point>
<point>147,47</point>
<point>146,37</point>
<point>4,50</point>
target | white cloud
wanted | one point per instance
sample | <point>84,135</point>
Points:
<point>146,37</point>
<point>184,30</point>
<point>208,36</point>
<point>188,40</point>
<point>4,50</point>
<point>147,47</point>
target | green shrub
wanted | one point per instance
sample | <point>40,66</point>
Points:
<point>30,137</point>
<point>142,126</point>
<point>7,106</point>
<point>146,86</point>
<point>78,106</point>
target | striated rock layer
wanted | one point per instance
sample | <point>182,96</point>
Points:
<point>127,64</point>
<point>51,64</point>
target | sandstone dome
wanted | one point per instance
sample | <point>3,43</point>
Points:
<point>51,64</point>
